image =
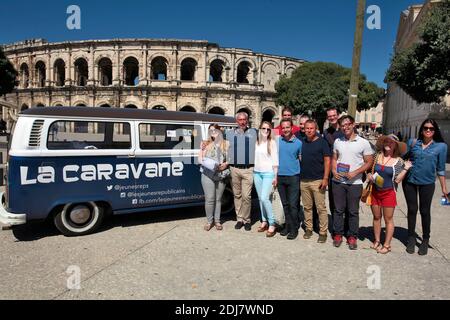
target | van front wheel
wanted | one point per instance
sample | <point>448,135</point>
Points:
<point>77,219</point>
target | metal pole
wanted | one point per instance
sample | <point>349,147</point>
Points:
<point>354,80</point>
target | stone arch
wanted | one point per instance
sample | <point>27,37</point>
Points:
<point>159,67</point>
<point>290,68</point>
<point>57,104</point>
<point>188,68</point>
<point>159,107</point>
<point>40,105</point>
<point>188,108</point>
<point>24,75</point>
<point>105,71</point>
<point>40,73</point>
<point>59,75</point>
<point>216,110</point>
<point>24,107</point>
<point>217,69</point>
<point>131,106</point>
<point>270,74</point>
<point>81,72</point>
<point>80,104</point>
<point>268,115</point>
<point>245,71</point>
<point>105,105</point>
<point>131,71</point>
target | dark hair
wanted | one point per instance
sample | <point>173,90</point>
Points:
<point>350,118</point>
<point>332,108</point>
<point>437,132</point>
<point>289,109</point>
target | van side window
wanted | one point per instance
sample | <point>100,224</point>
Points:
<point>169,136</point>
<point>88,135</point>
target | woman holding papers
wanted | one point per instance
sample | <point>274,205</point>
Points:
<point>214,167</point>
<point>389,170</point>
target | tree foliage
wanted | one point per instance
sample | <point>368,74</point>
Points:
<point>316,86</point>
<point>7,74</point>
<point>423,70</point>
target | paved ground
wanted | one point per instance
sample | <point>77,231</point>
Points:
<point>167,255</point>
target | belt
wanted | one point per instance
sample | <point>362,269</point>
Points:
<point>243,166</point>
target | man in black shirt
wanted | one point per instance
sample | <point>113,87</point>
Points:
<point>316,157</point>
<point>332,133</point>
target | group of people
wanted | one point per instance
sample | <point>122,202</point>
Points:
<point>302,164</point>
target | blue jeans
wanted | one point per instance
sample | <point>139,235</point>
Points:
<point>263,185</point>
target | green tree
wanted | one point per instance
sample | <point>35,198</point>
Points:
<point>423,70</point>
<point>316,86</point>
<point>8,74</point>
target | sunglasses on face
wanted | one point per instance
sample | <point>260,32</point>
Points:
<point>428,129</point>
<point>213,130</point>
<point>265,129</point>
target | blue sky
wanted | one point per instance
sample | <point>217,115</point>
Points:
<point>311,30</point>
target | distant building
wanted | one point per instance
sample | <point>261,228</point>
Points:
<point>402,113</point>
<point>371,119</point>
<point>163,74</point>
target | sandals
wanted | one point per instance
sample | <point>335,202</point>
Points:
<point>208,226</point>
<point>375,245</point>
<point>384,249</point>
<point>263,228</point>
<point>218,226</point>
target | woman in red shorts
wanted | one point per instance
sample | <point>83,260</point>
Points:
<point>389,170</point>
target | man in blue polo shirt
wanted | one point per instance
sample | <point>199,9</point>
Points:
<point>289,178</point>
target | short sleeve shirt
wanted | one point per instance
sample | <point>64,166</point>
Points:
<point>313,153</point>
<point>351,156</point>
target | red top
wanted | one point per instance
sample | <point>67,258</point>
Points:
<point>277,130</point>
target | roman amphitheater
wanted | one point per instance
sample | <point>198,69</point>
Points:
<point>183,75</point>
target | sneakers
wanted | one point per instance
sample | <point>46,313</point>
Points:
<point>322,238</point>
<point>308,234</point>
<point>337,240</point>
<point>423,248</point>
<point>351,241</point>
<point>411,246</point>
<point>247,227</point>
<point>239,225</point>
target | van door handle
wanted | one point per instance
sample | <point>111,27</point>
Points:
<point>131,156</point>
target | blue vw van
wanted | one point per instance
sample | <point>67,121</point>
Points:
<point>76,164</point>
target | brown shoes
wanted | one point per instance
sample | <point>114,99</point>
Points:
<point>208,226</point>
<point>270,234</point>
<point>263,228</point>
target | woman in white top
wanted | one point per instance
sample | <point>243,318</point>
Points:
<point>265,175</point>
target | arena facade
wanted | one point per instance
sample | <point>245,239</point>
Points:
<point>183,75</point>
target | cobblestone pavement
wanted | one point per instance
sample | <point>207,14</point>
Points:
<point>167,255</point>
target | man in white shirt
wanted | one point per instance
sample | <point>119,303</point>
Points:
<point>352,156</point>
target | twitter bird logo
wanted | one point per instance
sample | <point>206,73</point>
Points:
<point>109,188</point>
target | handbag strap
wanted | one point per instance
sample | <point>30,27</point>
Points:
<point>375,162</point>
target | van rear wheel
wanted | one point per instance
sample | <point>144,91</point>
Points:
<point>77,219</point>
<point>227,201</point>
